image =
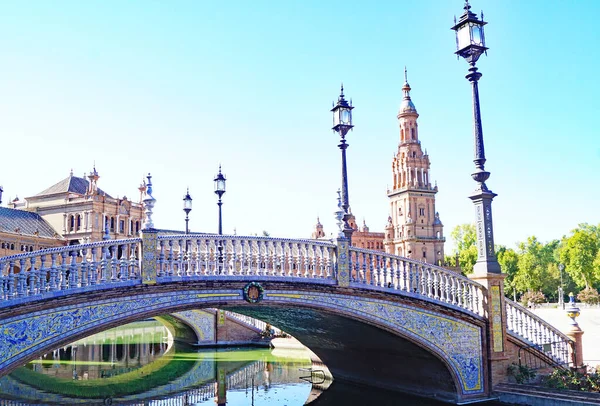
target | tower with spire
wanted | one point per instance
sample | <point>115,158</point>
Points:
<point>414,229</point>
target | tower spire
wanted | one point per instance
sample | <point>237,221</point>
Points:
<point>407,105</point>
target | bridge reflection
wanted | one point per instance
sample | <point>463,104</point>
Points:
<point>112,352</point>
<point>107,367</point>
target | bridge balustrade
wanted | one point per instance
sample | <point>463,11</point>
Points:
<point>71,267</point>
<point>546,338</point>
<point>197,256</point>
<point>209,254</point>
<point>377,269</point>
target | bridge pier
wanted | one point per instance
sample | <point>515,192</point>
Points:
<point>495,312</point>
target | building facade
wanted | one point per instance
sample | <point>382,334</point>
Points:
<point>361,237</point>
<point>414,229</point>
<point>78,210</point>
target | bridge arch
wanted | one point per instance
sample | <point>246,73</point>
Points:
<point>455,339</point>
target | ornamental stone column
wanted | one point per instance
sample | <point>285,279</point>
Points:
<point>148,259</point>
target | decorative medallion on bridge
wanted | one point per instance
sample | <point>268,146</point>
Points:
<point>253,292</point>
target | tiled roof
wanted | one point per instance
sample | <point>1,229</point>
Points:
<point>72,184</point>
<point>24,222</point>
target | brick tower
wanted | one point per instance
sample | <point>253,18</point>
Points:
<point>414,229</point>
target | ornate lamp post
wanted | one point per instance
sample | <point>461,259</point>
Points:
<point>187,208</point>
<point>470,44</point>
<point>342,123</point>
<point>220,191</point>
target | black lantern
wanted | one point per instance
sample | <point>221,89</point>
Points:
<point>220,191</point>
<point>342,115</point>
<point>187,208</point>
<point>220,183</point>
<point>470,38</point>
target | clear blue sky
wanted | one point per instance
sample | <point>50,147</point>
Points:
<point>175,88</point>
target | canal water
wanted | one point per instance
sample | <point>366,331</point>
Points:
<point>139,364</point>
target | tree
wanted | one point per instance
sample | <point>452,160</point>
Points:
<point>538,270</point>
<point>534,298</point>
<point>589,296</point>
<point>509,264</point>
<point>580,254</point>
<point>464,237</point>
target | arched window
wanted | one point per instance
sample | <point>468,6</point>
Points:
<point>78,223</point>
<point>71,223</point>
<point>412,133</point>
<point>112,224</point>
<point>437,234</point>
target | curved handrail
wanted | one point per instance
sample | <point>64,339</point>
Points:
<point>68,248</point>
<point>251,321</point>
<point>226,237</point>
<point>70,267</point>
<point>378,269</point>
<point>200,255</point>
<point>532,329</point>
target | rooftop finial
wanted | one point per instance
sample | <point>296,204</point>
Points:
<point>342,90</point>
<point>71,173</point>
<point>467,6</point>
<point>407,105</point>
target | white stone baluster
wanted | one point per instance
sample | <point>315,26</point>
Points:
<point>93,266</point>
<point>113,263</point>
<point>170,259</point>
<point>133,263</point>
<point>73,270</point>
<point>298,260</point>
<point>44,274</point>
<point>124,263</point>
<point>33,277</point>
<point>282,245</point>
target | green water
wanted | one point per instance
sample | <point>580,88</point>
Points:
<point>139,364</point>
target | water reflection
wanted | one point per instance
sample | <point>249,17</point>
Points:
<point>107,354</point>
<point>139,364</point>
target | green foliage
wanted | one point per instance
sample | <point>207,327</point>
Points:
<point>573,380</point>
<point>537,266</point>
<point>589,296</point>
<point>581,256</point>
<point>464,237</point>
<point>509,264</point>
<point>534,265</point>
<point>521,373</point>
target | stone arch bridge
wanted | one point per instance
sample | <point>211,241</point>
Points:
<point>371,317</point>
